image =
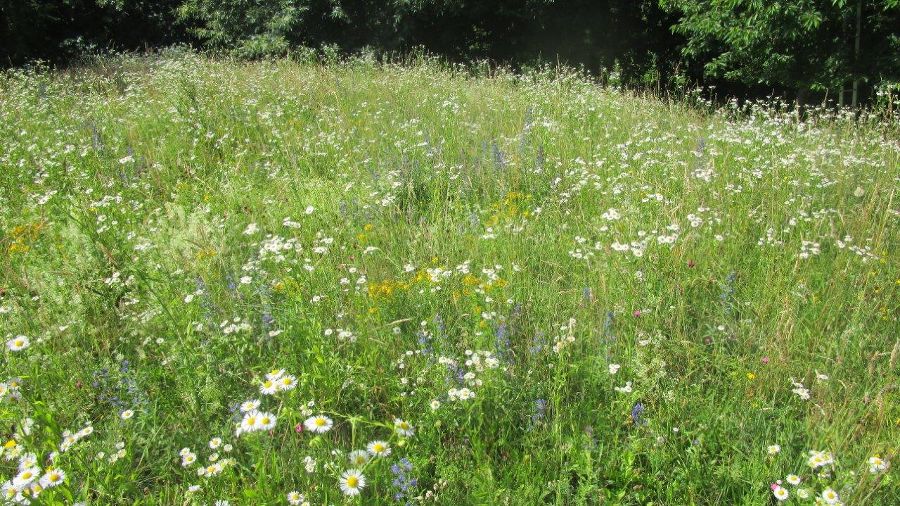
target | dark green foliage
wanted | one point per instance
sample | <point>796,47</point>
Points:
<point>58,30</point>
<point>745,47</point>
<point>252,28</point>
<point>804,45</point>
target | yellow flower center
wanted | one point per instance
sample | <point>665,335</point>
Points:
<point>379,448</point>
<point>320,422</point>
<point>352,481</point>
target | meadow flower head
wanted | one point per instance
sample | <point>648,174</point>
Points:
<point>18,343</point>
<point>636,411</point>
<point>773,449</point>
<point>295,498</point>
<point>793,479</point>
<point>780,493</point>
<point>127,414</point>
<point>830,496</point>
<point>286,382</point>
<point>25,477</point>
<point>801,391</point>
<point>266,421</point>
<point>268,387</point>
<point>352,482</point>
<point>27,461</point>
<point>358,458</point>
<point>251,405</point>
<point>624,389</point>
<point>249,423</point>
<point>318,424</point>
<point>877,464</point>
<point>213,469</point>
<point>403,428</point>
<point>379,448</point>
<point>275,374</point>
<point>819,459</point>
<point>9,491</point>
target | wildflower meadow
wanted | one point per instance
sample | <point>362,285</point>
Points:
<point>359,282</point>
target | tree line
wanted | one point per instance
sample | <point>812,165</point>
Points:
<point>807,50</point>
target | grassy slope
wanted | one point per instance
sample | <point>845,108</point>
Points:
<point>435,169</point>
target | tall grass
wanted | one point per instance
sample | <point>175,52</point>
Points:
<point>574,295</point>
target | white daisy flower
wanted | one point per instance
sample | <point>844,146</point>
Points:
<point>250,422</point>
<point>25,477</point>
<point>27,461</point>
<point>358,458</point>
<point>268,387</point>
<point>248,406</point>
<point>287,382</point>
<point>379,448</point>
<point>830,496</point>
<point>352,482</point>
<point>18,343</point>
<point>275,374</point>
<point>780,493</point>
<point>877,464</point>
<point>319,424</point>
<point>52,478</point>
<point>266,421</point>
<point>403,428</point>
<point>187,459</point>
